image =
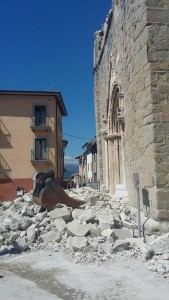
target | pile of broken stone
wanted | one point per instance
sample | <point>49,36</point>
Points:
<point>100,231</point>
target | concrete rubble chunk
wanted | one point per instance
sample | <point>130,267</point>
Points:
<point>20,244</point>
<point>105,248</point>
<point>88,249</point>
<point>60,213</point>
<point>123,233</point>
<point>165,256</point>
<point>22,234</point>
<point>126,220</point>
<point>60,224</point>
<point>40,216</point>
<point>15,223</point>
<point>160,245</point>
<point>120,245</point>
<point>69,243</point>
<point>91,200</point>
<point>7,205</point>
<point>51,236</point>
<point>6,222</point>
<point>50,227</point>
<point>93,243</point>
<point>13,237</point>
<point>35,209</point>
<point>2,228</point>
<point>108,233</point>
<point>152,226</point>
<point>101,239</point>
<point>27,212</point>
<point>77,212</point>
<point>18,206</point>
<point>1,239</point>
<point>87,216</point>
<point>77,229</point>
<point>129,225</point>
<point>124,217</point>
<point>95,232</point>
<point>25,223</point>
<point>32,233</point>
<point>45,222</point>
<point>78,243</point>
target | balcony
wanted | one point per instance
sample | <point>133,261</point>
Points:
<point>42,157</point>
<point>5,170</point>
<point>6,135</point>
<point>39,123</point>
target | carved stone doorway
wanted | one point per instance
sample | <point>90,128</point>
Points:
<point>116,142</point>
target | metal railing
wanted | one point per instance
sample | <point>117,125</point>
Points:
<point>37,121</point>
<point>5,131</point>
<point>3,164</point>
<point>43,156</point>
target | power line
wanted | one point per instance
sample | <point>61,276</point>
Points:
<point>76,137</point>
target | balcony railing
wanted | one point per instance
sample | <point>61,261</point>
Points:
<point>5,131</point>
<point>40,123</point>
<point>3,164</point>
<point>42,157</point>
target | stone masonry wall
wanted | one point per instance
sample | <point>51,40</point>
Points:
<point>101,89</point>
<point>135,41</point>
<point>158,57</point>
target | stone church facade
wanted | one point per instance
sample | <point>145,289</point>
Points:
<point>131,91</point>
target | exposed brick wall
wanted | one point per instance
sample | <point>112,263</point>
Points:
<point>8,188</point>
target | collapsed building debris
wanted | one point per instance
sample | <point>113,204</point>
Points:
<point>95,232</point>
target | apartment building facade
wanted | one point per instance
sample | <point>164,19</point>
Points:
<point>30,138</point>
<point>88,163</point>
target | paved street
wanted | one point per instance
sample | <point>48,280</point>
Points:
<point>46,275</point>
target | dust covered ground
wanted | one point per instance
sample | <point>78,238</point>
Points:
<point>49,275</point>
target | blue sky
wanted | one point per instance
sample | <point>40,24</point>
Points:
<point>48,45</point>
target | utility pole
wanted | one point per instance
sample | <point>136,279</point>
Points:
<point>136,185</point>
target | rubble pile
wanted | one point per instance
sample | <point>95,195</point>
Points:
<point>101,230</point>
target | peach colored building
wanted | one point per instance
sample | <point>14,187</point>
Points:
<point>30,138</point>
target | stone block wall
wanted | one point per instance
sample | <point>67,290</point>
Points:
<point>134,45</point>
<point>158,57</point>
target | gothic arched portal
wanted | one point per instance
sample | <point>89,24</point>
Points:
<point>115,136</point>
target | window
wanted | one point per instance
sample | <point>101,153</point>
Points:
<point>40,149</point>
<point>40,115</point>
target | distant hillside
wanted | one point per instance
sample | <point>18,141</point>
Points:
<point>70,170</point>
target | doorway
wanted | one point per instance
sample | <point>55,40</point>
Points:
<point>40,149</point>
